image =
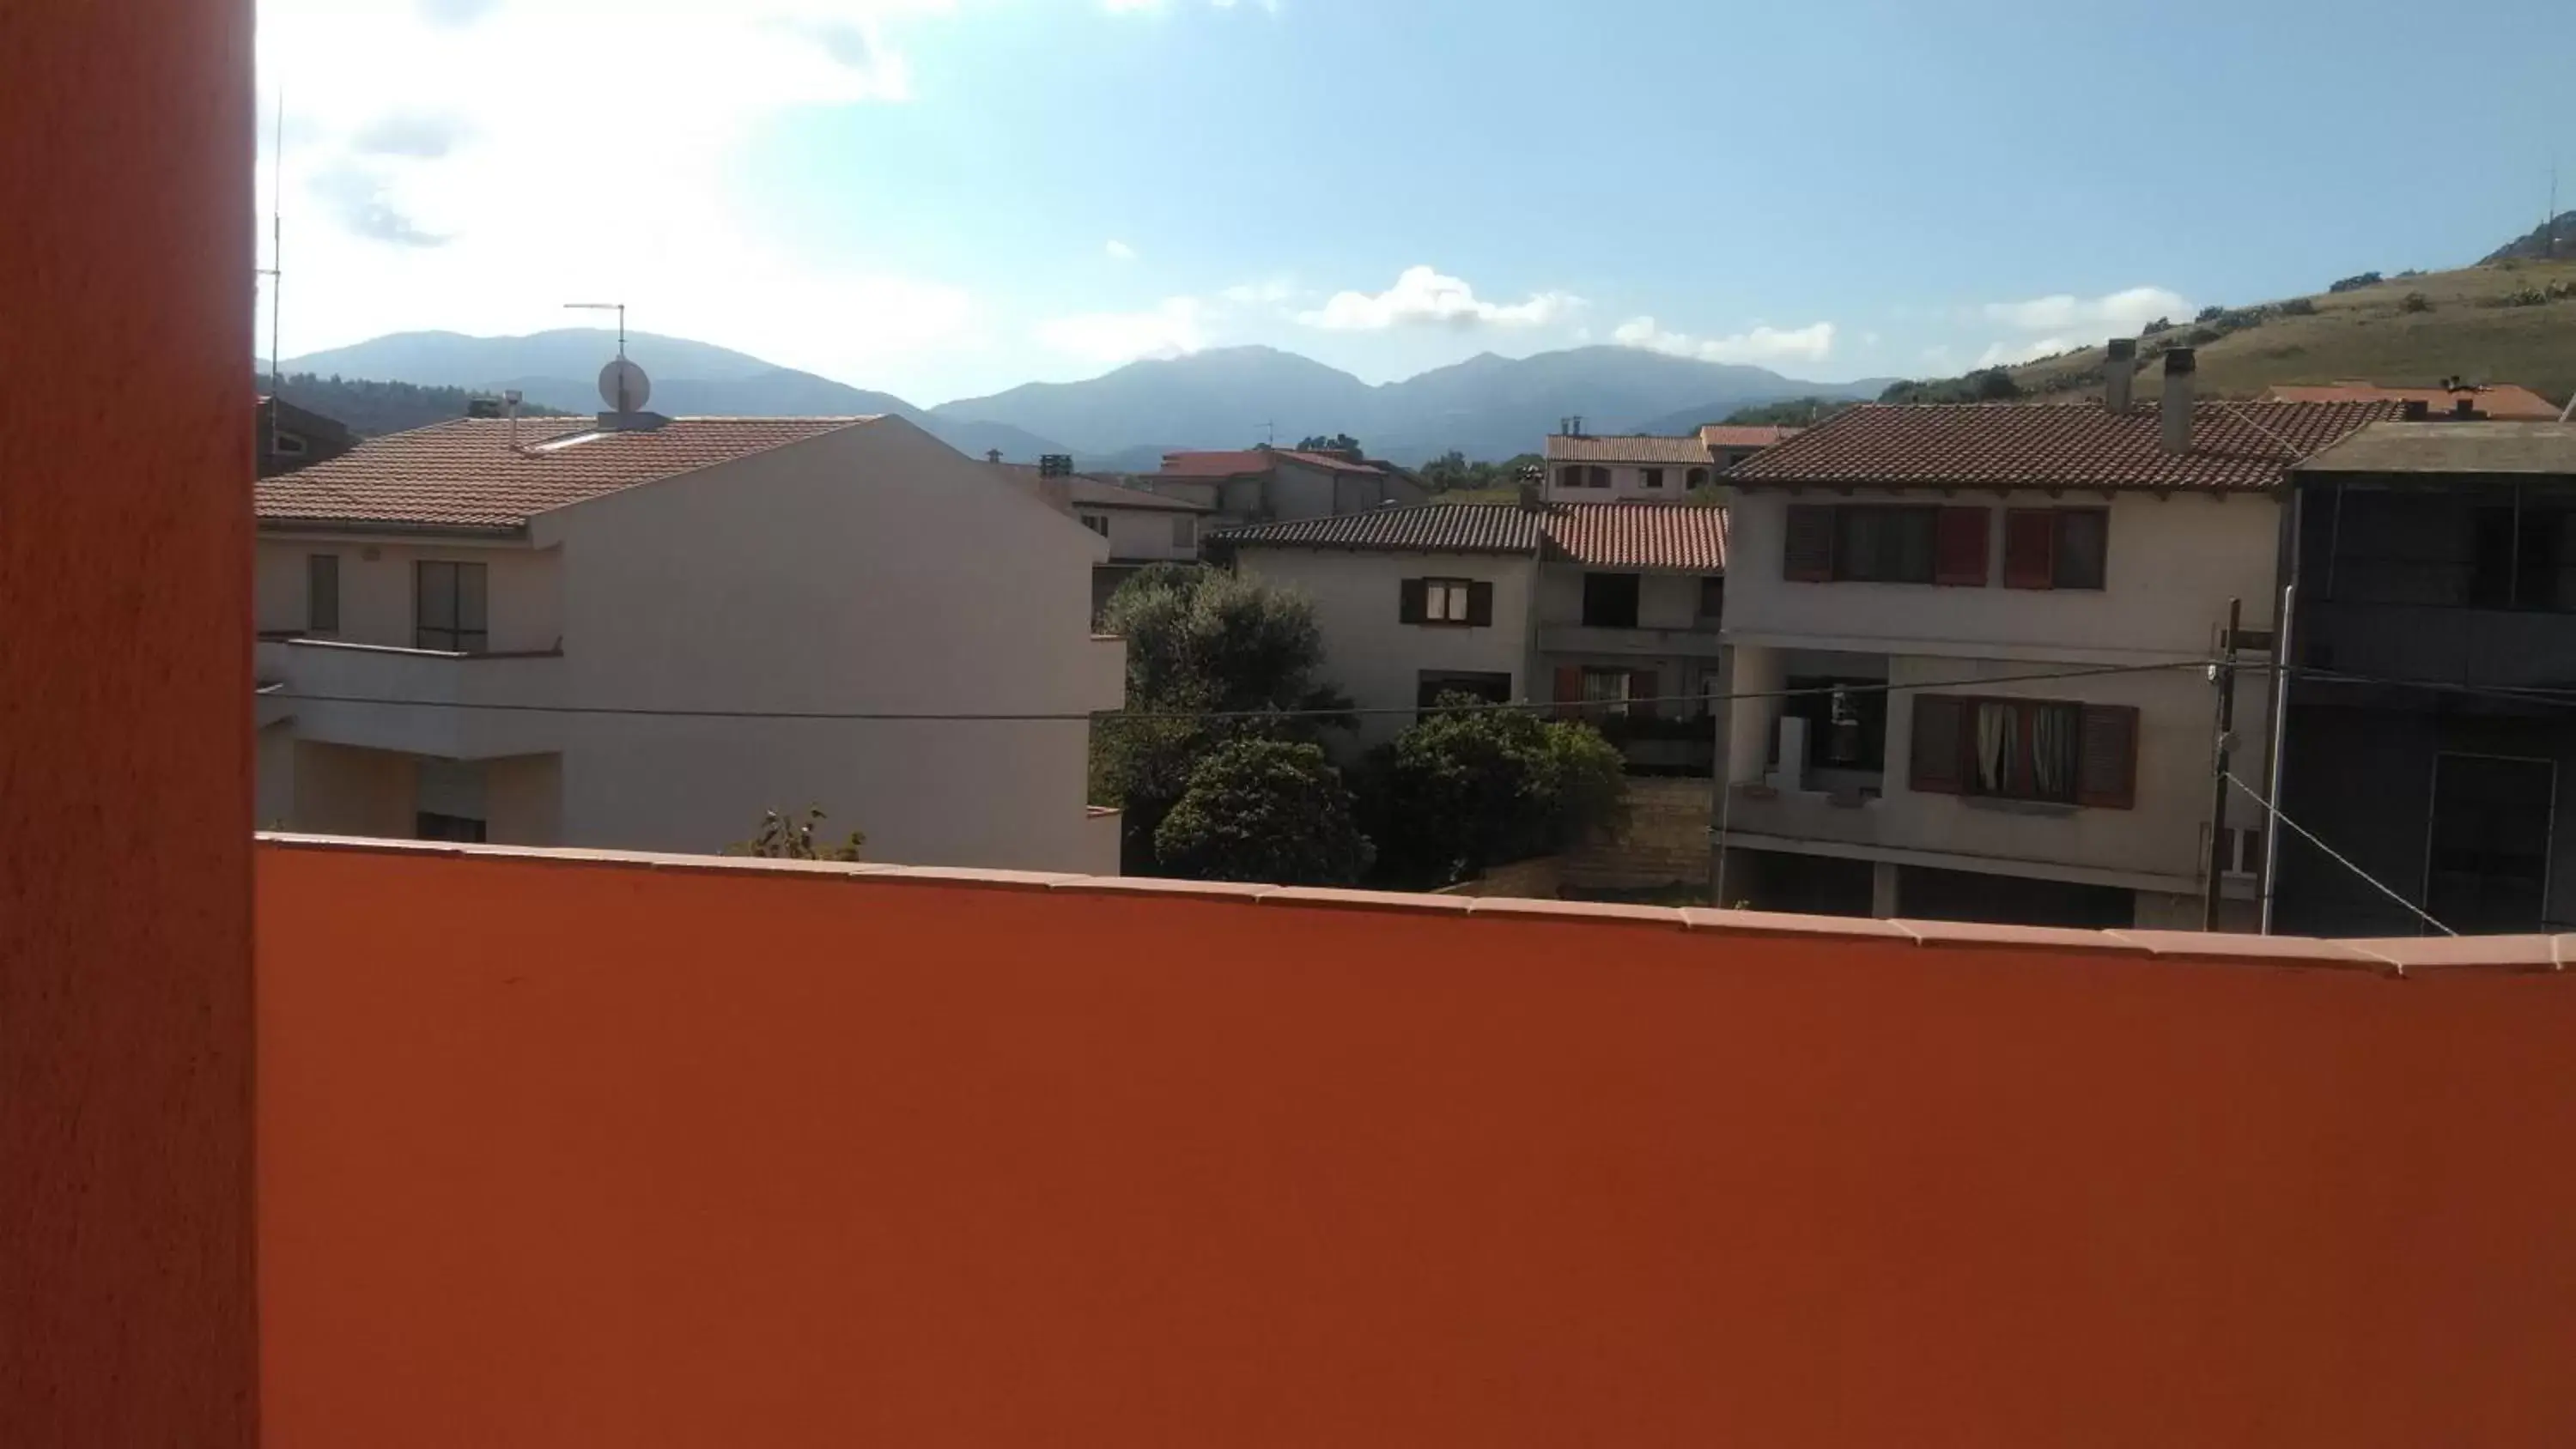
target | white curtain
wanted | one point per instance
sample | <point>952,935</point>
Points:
<point>2052,754</point>
<point>1994,746</point>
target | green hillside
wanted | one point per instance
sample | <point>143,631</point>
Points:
<point>2511,321</point>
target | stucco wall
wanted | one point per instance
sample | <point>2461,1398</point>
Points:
<point>1627,483</point>
<point>1664,601</point>
<point>654,1156</point>
<point>1379,661</point>
<point>126,1306</point>
<point>1145,533</point>
<point>2172,566</point>
<point>523,589</point>
<point>872,570</point>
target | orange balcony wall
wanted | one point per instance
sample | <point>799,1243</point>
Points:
<point>589,1150</point>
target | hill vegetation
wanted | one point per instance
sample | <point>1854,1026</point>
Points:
<point>373,409</point>
<point>2506,321</point>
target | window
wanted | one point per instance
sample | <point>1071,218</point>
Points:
<point>2515,553</point>
<point>447,607</point>
<point>2486,865</point>
<point>1492,688</point>
<point>1097,523</point>
<point>1845,731</point>
<point>1695,478</point>
<point>1579,475</point>
<point>1650,477</point>
<point>1884,545</point>
<point>322,593</point>
<point>1606,691</point>
<point>430,825</point>
<point>1456,602</point>
<point>1185,532</point>
<point>1712,599</point>
<point>1610,601</point>
<point>2055,548</point>
<point>2026,749</point>
<point>287,445</point>
<point>1569,476</point>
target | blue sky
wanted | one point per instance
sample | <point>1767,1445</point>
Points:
<point>947,197</point>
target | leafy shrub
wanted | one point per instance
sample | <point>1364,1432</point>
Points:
<point>2299,307</point>
<point>1995,385</point>
<point>782,838</point>
<point>2210,314</point>
<point>2161,324</point>
<point>2202,336</point>
<point>2414,302</point>
<point>1468,789</point>
<point>2356,282</point>
<point>1264,810</point>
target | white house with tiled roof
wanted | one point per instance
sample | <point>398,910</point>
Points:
<point>1904,569</point>
<point>1262,485</point>
<point>1637,468</point>
<point>1614,606</point>
<point>642,633</point>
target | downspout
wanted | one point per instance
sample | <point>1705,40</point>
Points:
<point>2284,633</point>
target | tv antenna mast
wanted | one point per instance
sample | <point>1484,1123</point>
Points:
<point>275,271</point>
<point>617,307</point>
<point>622,385</point>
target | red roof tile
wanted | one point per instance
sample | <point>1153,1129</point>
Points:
<point>1745,435</point>
<point>1242,462</point>
<point>2235,446</point>
<point>1636,448</point>
<point>463,474</point>
<point>2502,401</point>
<point>1603,535</point>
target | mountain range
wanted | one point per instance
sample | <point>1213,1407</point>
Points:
<point>1485,407</point>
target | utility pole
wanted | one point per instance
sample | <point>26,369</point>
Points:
<point>2222,674</point>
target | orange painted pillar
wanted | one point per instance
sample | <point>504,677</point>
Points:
<point>126,1303</point>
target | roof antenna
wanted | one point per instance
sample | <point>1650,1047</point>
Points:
<point>622,385</point>
<point>275,273</point>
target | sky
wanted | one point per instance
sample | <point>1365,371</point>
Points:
<point>945,198</point>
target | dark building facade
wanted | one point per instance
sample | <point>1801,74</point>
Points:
<point>2431,728</point>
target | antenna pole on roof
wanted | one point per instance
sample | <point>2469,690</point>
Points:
<point>275,271</point>
<point>617,307</point>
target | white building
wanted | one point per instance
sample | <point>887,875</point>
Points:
<point>1259,485</point>
<point>1638,468</point>
<point>1607,604</point>
<point>567,632</point>
<point>1950,551</point>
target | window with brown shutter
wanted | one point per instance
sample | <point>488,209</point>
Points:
<point>2106,771</point>
<point>2083,546</point>
<point>1480,603</point>
<point>1940,749</point>
<point>1809,557</point>
<point>2030,548</point>
<point>1959,547</point>
<point>1409,597</point>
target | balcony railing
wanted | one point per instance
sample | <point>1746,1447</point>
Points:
<point>1576,638</point>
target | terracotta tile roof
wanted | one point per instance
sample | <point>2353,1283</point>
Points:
<point>1637,448</point>
<point>2235,446</point>
<point>1603,535</point>
<point>1095,493</point>
<point>1745,435</point>
<point>1241,462</point>
<point>463,474</point>
<point>2502,401</point>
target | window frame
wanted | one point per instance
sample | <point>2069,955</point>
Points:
<point>1847,516</point>
<point>1097,522</point>
<point>1963,776</point>
<point>1651,478</point>
<point>1448,601</point>
<point>459,638</point>
<point>1705,614</point>
<point>1185,531</point>
<point>1636,588</point>
<point>2045,530</point>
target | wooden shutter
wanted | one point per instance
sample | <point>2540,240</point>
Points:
<point>1959,547</point>
<point>1641,692</point>
<point>1409,608</point>
<point>2106,757</point>
<point>1480,603</point>
<point>2030,548</point>
<point>1940,732</point>
<point>1809,557</point>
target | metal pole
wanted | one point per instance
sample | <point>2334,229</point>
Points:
<point>2224,676</point>
<point>2287,623</point>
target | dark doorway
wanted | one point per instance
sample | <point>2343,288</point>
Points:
<point>1610,601</point>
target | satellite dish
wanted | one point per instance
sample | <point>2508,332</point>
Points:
<point>624,387</point>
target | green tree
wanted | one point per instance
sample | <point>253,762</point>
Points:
<point>1264,810</point>
<point>1337,443</point>
<point>1211,658</point>
<point>1466,789</point>
<point>783,838</point>
<point>1796,412</point>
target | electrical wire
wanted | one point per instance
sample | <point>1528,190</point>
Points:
<point>2332,854</point>
<point>972,717</point>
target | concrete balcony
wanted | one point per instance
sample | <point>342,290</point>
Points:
<point>416,701</point>
<point>1637,643</point>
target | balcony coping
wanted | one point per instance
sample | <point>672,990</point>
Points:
<point>2391,959</point>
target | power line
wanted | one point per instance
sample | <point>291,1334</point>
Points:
<point>1070,717</point>
<point>2332,854</point>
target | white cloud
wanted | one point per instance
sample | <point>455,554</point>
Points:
<point>426,185</point>
<point>2120,312</point>
<point>1763,344</point>
<point>1170,328</point>
<point>1424,297</point>
<point>1119,251</point>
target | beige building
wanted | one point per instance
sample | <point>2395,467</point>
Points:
<point>1612,606</point>
<point>1638,468</point>
<point>1262,485</point>
<point>642,633</point>
<point>1909,569</point>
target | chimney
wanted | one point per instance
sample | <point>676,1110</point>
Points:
<point>2466,407</point>
<point>1530,479</point>
<point>2118,371</point>
<point>2180,364</point>
<point>992,455</point>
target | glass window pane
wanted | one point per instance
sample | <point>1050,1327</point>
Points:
<point>469,596</point>
<point>436,605</point>
<point>2083,537</point>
